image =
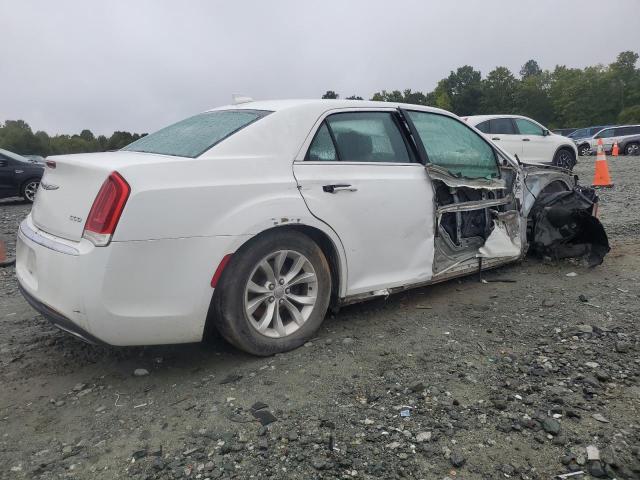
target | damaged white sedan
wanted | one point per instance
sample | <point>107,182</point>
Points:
<point>254,219</point>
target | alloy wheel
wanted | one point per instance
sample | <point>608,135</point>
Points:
<point>633,149</point>
<point>281,293</point>
<point>30,190</point>
<point>564,160</point>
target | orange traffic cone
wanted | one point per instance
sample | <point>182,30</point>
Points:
<point>601,177</point>
<point>615,151</point>
<point>4,261</point>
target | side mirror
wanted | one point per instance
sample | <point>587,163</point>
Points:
<point>546,133</point>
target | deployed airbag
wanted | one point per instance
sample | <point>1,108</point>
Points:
<point>563,226</point>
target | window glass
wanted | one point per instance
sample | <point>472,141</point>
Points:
<point>13,156</point>
<point>580,133</point>
<point>634,130</point>
<point>455,147</point>
<point>322,148</point>
<point>605,133</point>
<point>484,127</point>
<point>620,131</point>
<point>195,135</point>
<point>502,125</point>
<point>528,128</point>
<point>368,137</point>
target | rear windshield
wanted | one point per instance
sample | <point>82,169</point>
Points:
<point>195,135</point>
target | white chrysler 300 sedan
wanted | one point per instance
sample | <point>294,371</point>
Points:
<point>254,219</point>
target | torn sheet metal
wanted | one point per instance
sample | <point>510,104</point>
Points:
<point>500,243</point>
<point>565,227</point>
<point>442,174</point>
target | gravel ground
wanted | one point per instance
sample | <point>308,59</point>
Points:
<point>524,379</point>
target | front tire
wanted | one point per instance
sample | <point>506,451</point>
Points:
<point>564,158</point>
<point>29,190</point>
<point>273,294</point>
<point>632,149</point>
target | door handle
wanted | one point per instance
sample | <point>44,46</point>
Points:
<point>495,138</point>
<point>340,187</point>
<point>526,140</point>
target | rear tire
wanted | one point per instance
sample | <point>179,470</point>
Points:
<point>632,149</point>
<point>564,158</point>
<point>273,294</point>
<point>29,189</point>
<point>584,150</point>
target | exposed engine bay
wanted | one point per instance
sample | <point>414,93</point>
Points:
<point>488,222</point>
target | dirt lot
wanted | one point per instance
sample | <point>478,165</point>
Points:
<point>462,380</point>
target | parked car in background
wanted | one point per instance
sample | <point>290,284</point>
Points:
<point>627,136</point>
<point>19,176</point>
<point>582,136</point>
<point>268,213</point>
<point>527,139</point>
<point>566,132</point>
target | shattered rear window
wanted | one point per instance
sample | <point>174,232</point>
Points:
<point>454,146</point>
<point>195,135</point>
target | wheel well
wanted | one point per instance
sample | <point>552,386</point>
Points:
<point>567,148</point>
<point>328,248</point>
<point>320,238</point>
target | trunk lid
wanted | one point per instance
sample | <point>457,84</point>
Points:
<point>67,191</point>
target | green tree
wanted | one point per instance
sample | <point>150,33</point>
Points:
<point>630,115</point>
<point>465,90</point>
<point>331,94</point>
<point>355,97</point>
<point>498,91</point>
<point>532,98</point>
<point>530,69</point>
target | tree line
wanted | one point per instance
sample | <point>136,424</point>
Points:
<point>563,97</point>
<point>17,136</point>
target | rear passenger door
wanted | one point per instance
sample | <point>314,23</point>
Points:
<point>504,133</point>
<point>359,173</point>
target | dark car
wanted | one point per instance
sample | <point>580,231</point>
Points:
<point>19,176</point>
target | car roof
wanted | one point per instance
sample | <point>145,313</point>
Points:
<point>475,119</point>
<point>322,105</point>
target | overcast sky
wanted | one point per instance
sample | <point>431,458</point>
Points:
<point>138,65</point>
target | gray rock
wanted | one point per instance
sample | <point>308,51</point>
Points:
<point>600,418</point>
<point>348,341</point>
<point>596,469</point>
<point>140,372</point>
<point>622,347</point>
<point>551,426</point>
<point>319,463</point>
<point>457,459</point>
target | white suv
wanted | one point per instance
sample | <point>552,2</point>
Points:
<point>526,138</point>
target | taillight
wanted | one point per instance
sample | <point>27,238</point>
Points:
<point>51,163</point>
<point>106,210</point>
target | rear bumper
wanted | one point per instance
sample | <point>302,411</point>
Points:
<point>148,292</point>
<point>57,319</point>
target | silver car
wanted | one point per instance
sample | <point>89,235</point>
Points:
<point>627,136</point>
